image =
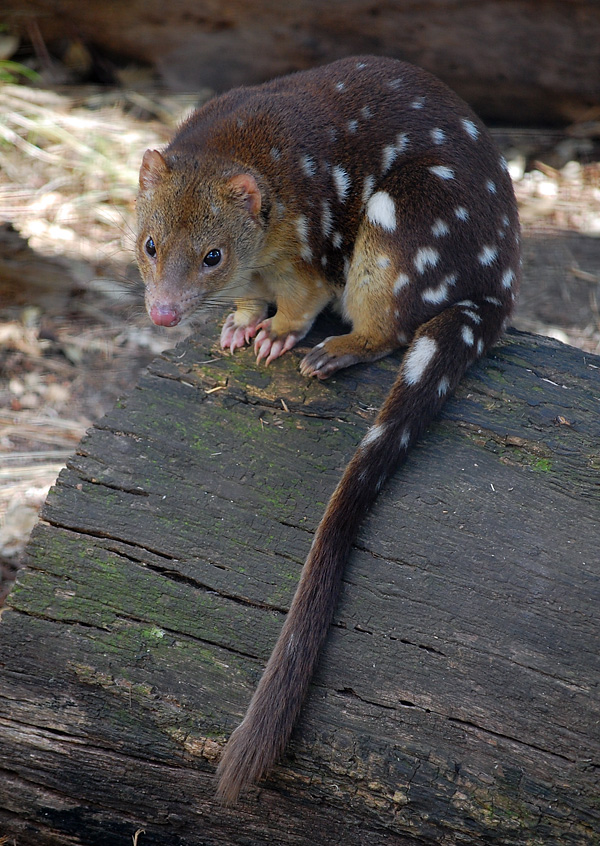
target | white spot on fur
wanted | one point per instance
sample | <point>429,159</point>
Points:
<point>505,220</point>
<point>491,186</point>
<point>503,164</point>
<point>374,433</point>
<point>418,359</point>
<point>439,294</point>
<point>461,213</point>
<point>308,165</point>
<point>302,230</point>
<point>426,257</point>
<point>436,295</point>
<point>467,336</point>
<point>443,386</point>
<point>493,300</point>
<point>366,112</point>
<point>326,219</point>
<point>383,261</point>
<point>480,346</point>
<point>418,103</point>
<point>508,278</point>
<point>394,84</point>
<point>361,65</point>
<point>336,240</point>
<point>342,182</point>
<point>438,136</point>
<point>324,260</point>
<point>401,142</point>
<point>402,280</point>
<point>405,438</point>
<point>442,171</point>
<point>389,154</point>
<point>467,304</point>
<point>381,211</point>
<point>391,151</point>
<point>352,126</point>
<point>340,86</point>
<point>368,186</point>
<point>440,228</point>
<point>470,128</point>
<point>487,255</point>
<point>275,153</point>
<point>474,317</point>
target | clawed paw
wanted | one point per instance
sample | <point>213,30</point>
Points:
<point>269,347</point>
<point>322,361</point>
<point>234,337</point>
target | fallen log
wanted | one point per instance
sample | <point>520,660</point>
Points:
<point>457,698</point>
<point>519,63</point>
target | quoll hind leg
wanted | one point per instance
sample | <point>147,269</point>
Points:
<point>369,303</point>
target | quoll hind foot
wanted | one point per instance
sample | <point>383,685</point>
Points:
<point>336,353</point>
<point>234,336</point>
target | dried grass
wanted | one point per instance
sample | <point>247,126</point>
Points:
<point>69,162</point>
<point>69,166</point>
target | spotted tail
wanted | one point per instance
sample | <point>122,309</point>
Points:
<point>435,362</point>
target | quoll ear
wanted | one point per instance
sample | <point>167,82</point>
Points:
<point>245,187</point>
<point>153,168</point>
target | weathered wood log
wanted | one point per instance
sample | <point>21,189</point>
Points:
<point>457,698</point>
<point>517,61</point>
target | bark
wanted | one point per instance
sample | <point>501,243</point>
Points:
<point>456,700</point>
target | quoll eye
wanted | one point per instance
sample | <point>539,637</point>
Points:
<point>150,248</point>
<point>212,258</point>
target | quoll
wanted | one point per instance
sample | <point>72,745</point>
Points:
<point>366,184</point>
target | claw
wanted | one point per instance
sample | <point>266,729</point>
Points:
<point>262,346</point>
<point>276,350</point>
<point>269,348</point>
<point>234,337</point>
<point>322,362</point>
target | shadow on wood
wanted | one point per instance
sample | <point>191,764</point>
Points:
<point>457,698</point>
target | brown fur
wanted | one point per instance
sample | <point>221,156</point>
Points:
<point>366,183</point>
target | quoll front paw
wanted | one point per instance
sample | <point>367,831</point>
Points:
<point>234,336</point>
<point>268,345</point>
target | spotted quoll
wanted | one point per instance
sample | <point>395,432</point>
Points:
<point>368,184</point>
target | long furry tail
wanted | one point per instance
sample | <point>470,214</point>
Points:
<point>436,360</point>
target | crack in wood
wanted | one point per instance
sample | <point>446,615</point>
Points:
<point>235,598</point>
<point>471,725</point>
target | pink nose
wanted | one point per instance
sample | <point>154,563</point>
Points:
<point>164,315</point>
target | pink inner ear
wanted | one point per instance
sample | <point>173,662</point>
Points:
<point>245,185</point>
<point>152,170</point>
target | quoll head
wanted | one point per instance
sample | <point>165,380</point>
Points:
<point>199,234</point>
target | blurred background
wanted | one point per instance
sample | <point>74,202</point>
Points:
<point>86,87</point>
